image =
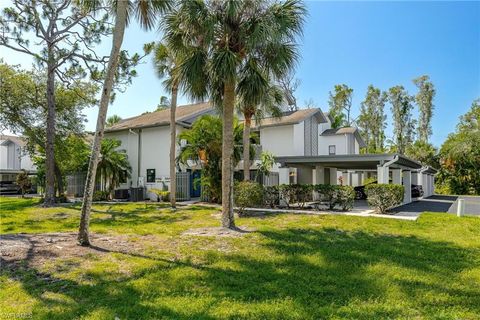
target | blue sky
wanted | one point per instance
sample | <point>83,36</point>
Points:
<point>356,43</point>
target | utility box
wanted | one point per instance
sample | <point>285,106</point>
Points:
<point>121,194</point>
<point>136,194</point>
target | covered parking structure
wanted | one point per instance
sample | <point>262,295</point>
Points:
<point>354,169</point>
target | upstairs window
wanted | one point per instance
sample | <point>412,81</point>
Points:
<point>150,175</point>
<point>331,150</point>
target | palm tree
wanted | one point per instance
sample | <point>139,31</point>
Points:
<point>164,103</point>
<point>166,63</point>
<point>113,166</point>
<point>114,119</point>
<point>233,45</point>
<point>146,12</point>
<point>250,105</point>
<point>202,147</point>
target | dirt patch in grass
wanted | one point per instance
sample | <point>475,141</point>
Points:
<point>219,232</point>
<point>34,249</point>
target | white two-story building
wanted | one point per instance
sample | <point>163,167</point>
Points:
<point>305,132</point>
<point>13,159</point>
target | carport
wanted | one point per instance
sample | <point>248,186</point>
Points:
<point>354,169</point>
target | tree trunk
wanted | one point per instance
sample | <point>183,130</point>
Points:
<point>120,22</point>
<point>50,134</point>
<point>227,153</point>
<point>246,147</point>
<point>173,140</point>
<point>58,176</point>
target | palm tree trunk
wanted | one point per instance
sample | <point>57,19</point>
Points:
<point>50,133</point>
<point>120,22</point>
<point>173,140</point>
<point>246,147</point>
<point>227,153</point>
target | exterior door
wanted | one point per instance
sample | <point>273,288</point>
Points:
<point>195,189</point>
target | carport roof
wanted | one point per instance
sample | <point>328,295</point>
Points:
<point>350,161</point>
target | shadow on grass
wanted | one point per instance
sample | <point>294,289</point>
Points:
<point>134,217</point>
<point>13,204</point>
<point>325,273</point>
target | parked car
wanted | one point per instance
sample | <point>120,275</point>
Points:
<point>416,191</point>
<point>9,187</point>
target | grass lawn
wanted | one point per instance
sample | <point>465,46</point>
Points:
<point>290,267</point>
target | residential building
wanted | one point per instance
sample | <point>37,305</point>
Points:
<point>13,159</point>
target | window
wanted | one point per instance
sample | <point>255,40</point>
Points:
<point>331,149</point>
<point>150,175</point>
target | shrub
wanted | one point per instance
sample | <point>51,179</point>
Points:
<point>24,182</point>
<point>100,195</point>
<point>247,194</point>
<point>271,196</point>
<point>345,197</point>
<point>162,195</point>
<point>287,193</point>
<point>296,193</point>
<point>327,193</point>
<point>384,196</point>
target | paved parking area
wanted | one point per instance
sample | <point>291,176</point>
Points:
<point>439,203</point>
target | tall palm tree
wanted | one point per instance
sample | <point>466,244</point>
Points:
<point>113,166</point>
<point>146,13</point>
<point>164,103</point>
<point>113,119</point>
<point>233,45</point>
<point>268,103</point>
<point>166,63</point>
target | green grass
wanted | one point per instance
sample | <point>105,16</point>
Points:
<point>292,267</point>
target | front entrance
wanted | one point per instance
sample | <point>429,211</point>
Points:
<point>195,187</point>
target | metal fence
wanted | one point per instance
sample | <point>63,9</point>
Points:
<point>76,184</point>
<point>183,186</point>
<point>271,180</point>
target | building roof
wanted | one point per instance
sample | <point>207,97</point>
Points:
<point>185,115</point>
<point>345,130</point>
<point>4,139</point>
<point>290,117</point>
<point>352,161</point>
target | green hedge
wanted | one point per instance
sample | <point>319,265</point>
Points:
<point>296,193</point>
<point>384,196</point>
<point>335,195</point>
<point>271,196</point>
<point>247,194</point>
<point>100,195</point>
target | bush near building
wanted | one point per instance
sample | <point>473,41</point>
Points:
<point>384,196</point>
<point>247,194</point>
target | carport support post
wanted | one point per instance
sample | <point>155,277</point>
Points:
<point>333,176</point>
<point>319,175</point>
<point>382,175</point>
<point>397,176</point>
<point>283,176</point>
<point>407,181</point>
<point>347,178</point>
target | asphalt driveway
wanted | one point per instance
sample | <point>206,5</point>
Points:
<point>440,203</point>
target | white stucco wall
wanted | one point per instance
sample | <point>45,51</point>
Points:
<point>278,140</point>
<point>13,157</point>
<point>154,145</point>
<point>3,157</point>
<point>338,141</point>
<point>299,139</point>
